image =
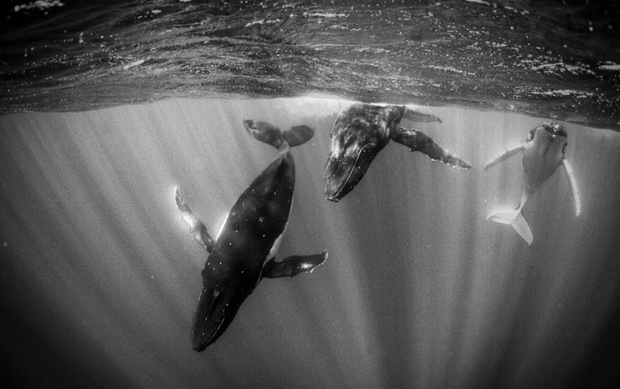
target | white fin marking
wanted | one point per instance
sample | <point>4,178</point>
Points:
<point>503,156</point>
<point>573,185</point>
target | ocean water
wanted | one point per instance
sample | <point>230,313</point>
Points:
<point>100,276</point>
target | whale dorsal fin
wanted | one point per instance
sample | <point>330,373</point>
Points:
<point>573,185</point>
<point>196,227</point>
<point>505,155</point>
<point>419,141</point>
<point>291,266</point>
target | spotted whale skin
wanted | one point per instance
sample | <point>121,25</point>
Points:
<point>244,252</point>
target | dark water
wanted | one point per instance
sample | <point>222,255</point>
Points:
<point>99,275</point>
<point>556,59</point>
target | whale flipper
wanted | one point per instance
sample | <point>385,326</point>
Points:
<point>515,218</point>
<point>505,155</point>
<point>573,185</point>
<point>272,135</point>
<point>293,265</point>
<point>420,114</point>
<point>196,227</point>
<point>418,141</point>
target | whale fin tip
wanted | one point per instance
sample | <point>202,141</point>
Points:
<point>293,265</point>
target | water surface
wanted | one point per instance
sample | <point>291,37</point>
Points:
<point>553,59</point>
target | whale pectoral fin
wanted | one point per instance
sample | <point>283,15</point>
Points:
<point>573,185</point>
<point>420,114</point>
<point>418,141</point>
<point>505,155</point>
<point>196,227</point>
<point>291,266</point>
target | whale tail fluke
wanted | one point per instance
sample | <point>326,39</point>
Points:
<point>272,135</point>
<point>515,218</point>
<point>298,135</point>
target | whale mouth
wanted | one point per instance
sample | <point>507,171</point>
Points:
<point>217,306</point>
<point>342,174</point>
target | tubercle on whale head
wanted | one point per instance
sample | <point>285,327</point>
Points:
<point>558,130</point>
<point>355,141</point>
<point>553,129</point>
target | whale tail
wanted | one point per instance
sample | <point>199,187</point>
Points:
<point>513,217</point>
<point>272,135</point>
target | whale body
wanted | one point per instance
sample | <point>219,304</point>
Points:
<point>361,131</point>
<point>543,153</point>
<point>244,252</point>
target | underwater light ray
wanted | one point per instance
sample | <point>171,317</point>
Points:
<point>123,251</point>
<point>472,259</point>
<point>284,317</point>
<point>70,287</point>
<point>348,324</point>
<point>411,175</point>
<point>471,256</point>
<point>325,323</point>
<point>461,308</point>
<point>130,208</point>
<point>418,290</point>
<point>457,232</point>
<point>155,253</point>
<point>350,311</point>
<point>382,239</point>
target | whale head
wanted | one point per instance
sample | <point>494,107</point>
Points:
<point>549,136</point>
<point>217,307</point>
<point>355,141</point>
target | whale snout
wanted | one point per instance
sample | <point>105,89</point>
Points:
<point>343,173</point>
<point>338,180</point>
<point>217,307</point>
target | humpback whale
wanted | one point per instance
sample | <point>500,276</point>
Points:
<point>362,130</point>
<point>244,252</point>
<point>543,152</point>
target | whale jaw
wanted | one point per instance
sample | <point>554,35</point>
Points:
<point>343,173</point>
<point>217,308</point>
